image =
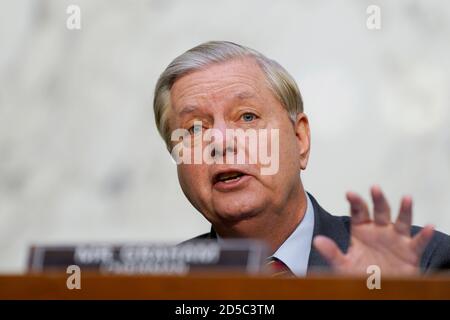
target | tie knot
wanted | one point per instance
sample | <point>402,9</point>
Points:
<point>278,268</point>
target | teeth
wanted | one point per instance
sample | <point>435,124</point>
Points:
<point>231,180</point>
<point>225,177</point>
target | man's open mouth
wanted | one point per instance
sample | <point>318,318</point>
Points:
<point>228,177</point>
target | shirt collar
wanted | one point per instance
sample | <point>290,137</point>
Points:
<point>294,252</point>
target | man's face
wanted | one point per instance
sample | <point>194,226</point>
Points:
<point>235,95</point>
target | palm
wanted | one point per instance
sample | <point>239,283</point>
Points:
<point>379,241</point>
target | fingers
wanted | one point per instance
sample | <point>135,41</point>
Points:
<point>329,250</point>
<point>421,239</point>
<point>358,208</point>
<point>381,209</point>
<point>404,219</point>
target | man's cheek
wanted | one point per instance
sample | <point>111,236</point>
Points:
<point>195,176</point>
<point>185,176</point>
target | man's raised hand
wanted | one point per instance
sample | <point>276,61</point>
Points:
<point>378,241</point>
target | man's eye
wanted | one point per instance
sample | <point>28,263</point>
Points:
<point>195,129</point>
<point>247,117</point>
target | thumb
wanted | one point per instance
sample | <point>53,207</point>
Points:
<point>329,250</point>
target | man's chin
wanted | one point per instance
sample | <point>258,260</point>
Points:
<point>236,212</point>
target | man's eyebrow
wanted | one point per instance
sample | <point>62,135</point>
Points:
<point>244,95</point>
<point>187,109</point>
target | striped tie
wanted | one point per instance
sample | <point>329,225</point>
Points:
<point>278,268</point>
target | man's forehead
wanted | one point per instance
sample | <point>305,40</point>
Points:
<point>230,80</point>
<point>239,96</point>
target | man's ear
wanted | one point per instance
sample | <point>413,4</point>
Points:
<point>303,136</point>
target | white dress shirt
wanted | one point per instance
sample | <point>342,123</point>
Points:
<point>294,252</point>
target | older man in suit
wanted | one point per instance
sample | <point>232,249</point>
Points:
<point>222,85</point>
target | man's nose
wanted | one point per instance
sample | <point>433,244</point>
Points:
<point>223,140</point>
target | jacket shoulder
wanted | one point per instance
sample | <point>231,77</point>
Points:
<point>437,253</point>
<point>204,236</point>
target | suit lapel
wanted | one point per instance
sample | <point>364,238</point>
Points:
<point>336,228</point>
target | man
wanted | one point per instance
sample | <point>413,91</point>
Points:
<point>218,86</point>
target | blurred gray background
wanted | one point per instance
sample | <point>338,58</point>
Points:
<point>81,160</point>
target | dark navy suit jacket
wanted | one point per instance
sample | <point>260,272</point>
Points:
<point>435,257</point>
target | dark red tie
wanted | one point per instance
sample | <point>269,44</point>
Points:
<point>278,268</point>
